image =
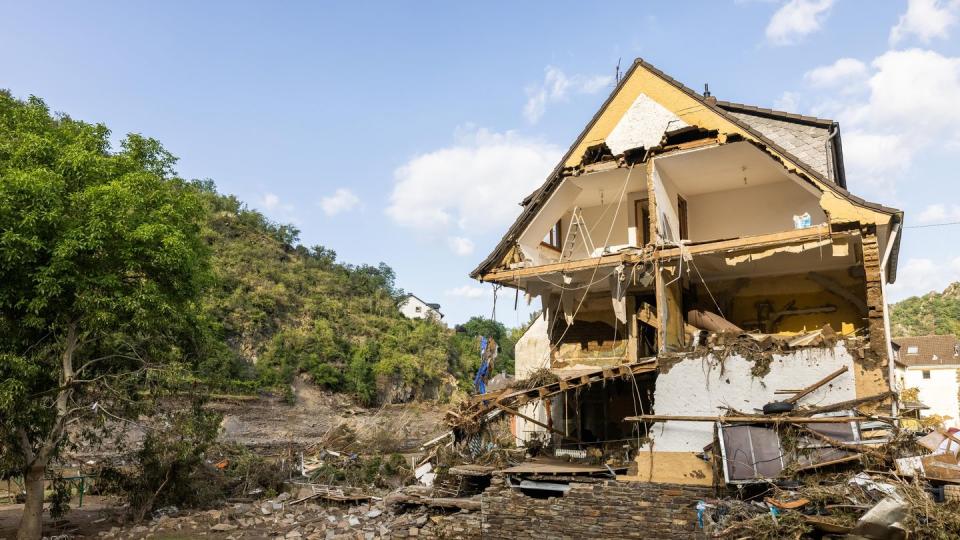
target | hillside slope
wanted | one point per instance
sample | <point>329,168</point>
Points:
<point>932,313</point>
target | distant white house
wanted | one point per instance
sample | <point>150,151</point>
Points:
<point>415,308</point>
<point>932,365</point>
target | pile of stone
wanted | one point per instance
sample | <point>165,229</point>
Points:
<point>283,517</point>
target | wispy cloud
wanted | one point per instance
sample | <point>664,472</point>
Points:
<point>460,245</point>
<point>796,19</point>
<point>470,187</point>
<point>939,213</point>
<point>906,103</point>
<point>342,200</point>
<point>557,86</point>
<point>470,292</point>
<point>918,276</point>
<point>842,71</point>
<point>926,20</point>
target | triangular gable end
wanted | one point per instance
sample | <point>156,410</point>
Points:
<point>646,104</point>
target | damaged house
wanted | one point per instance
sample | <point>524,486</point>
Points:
<point>696,258</point>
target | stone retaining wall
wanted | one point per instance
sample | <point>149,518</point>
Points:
<point>609,509</point>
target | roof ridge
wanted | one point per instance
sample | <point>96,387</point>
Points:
<point>775,113</point>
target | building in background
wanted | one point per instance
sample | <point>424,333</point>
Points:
<point>415,308</point>
<point>931,364</point>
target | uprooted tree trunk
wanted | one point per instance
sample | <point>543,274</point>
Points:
<point>38,459</point>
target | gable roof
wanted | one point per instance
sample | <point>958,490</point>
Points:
<point>435,307</point>
<point>532,203</point>
<point>931,350</point>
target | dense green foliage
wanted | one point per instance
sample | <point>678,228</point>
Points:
<point>102,265</point>
<point>278,309</point>
<point>115,243</point>
<point>932,313</point>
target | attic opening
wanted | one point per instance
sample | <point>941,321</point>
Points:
<point>729,191</point>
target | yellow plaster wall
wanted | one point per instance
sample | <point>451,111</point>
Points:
<point>670,468</point>
<point>780,290</point>
<point>693,112</point>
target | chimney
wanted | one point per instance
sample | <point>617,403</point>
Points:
<point>707,96</point>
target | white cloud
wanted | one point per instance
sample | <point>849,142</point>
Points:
<point>939,213</point>
<point>460,245</point>
<point>471,292</point>
<point>908,104</point>
<point>471,187</point>
<point>271,202</point>
<point>926,19</point>
<point>796,19</point>
<point>342,200</point>
<point>557,86</point>
<point>919,276</point>
<point>788,101</point>
<point>844,70</point>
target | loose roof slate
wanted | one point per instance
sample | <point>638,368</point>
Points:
<point>931,350</point>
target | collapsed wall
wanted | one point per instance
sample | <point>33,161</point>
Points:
<point>711,385</point>
<point>606,509</point>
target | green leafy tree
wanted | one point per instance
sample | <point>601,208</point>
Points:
<point>932,313</point>
<point>101,266</point>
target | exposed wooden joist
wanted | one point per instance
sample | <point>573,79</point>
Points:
<point>797,236</point>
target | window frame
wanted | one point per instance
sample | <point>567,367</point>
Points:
<point>554,237</point>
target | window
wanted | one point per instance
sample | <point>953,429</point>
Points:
<point>682,216</point>
<point>552,239</point>
<point>418,309</point>
<point>925,373</point>
<point>913,349</point>
<point>642,213</point>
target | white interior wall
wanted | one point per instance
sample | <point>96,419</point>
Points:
<point>668,226</point>
<point>939,392</point>
<point>763,209</point>
<point>601,222</point>
<point>561,200</point>
<point>532,352</point>
<point>695,387</point>
<point>634,236</point>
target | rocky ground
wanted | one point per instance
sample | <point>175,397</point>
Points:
<point>268,422</point>
<point>270,426</point>
<point>279,517</point>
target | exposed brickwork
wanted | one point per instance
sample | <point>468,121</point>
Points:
<point>603,510</point>
<point>871,264</point>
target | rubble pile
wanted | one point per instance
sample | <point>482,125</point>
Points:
<point>313,519</point>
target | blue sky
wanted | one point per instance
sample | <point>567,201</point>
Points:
<point>408,132</point>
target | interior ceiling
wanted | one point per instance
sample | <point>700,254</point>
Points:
<point>714,267</point>
<point>605,187</point>
<point>721,168</point>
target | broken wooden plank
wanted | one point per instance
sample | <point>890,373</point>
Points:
<point>815,386</point>
<point>550,428</point>
<point>845,445</point>
<point>849,404</point>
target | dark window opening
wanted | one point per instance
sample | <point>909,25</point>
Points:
<point>553,237</point>
<point>642,211</point>
<point>682,216</point>
<point>926,373</point>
